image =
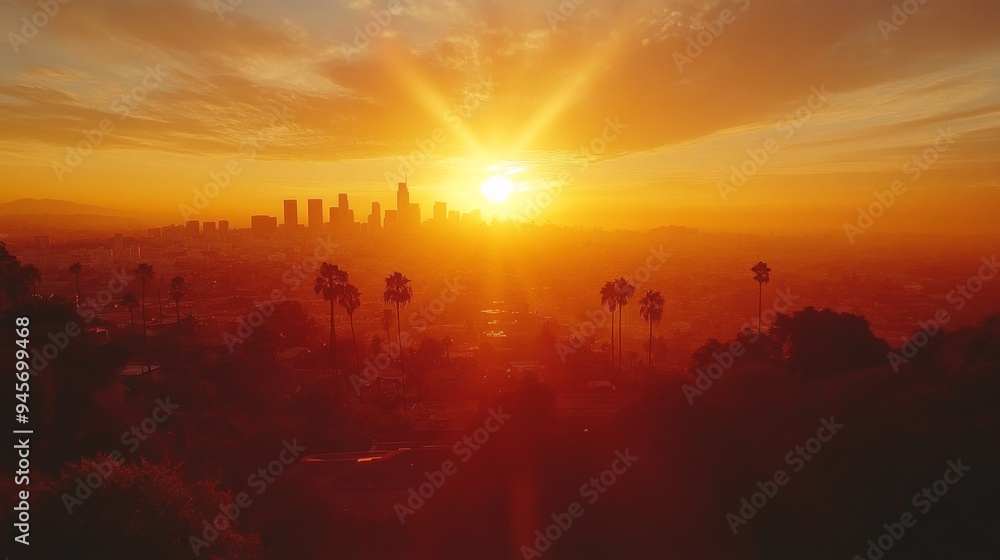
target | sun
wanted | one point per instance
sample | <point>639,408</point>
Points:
<point>497,188</point>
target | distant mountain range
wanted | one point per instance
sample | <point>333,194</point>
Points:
<point>48,206</point>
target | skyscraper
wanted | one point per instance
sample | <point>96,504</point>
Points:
<point>375,218</point>
<point>223,228</point>
<point>291,214</point>
<point>315,213</point>
<point>440,212</point>
<point>191,229</point>
<point>263,225</point>
<point>402,204</point>
<point>402,197</point>
<point>345,215</point>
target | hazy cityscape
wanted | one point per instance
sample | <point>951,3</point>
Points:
<point>398,280</point>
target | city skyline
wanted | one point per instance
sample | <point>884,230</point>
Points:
<point>342,215</point>
<point>656,114</point>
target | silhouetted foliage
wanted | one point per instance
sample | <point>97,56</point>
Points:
<point>140,510</point>
<point>821,343</point>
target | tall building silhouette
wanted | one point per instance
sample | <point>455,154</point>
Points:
<point>440,212</point>
<point>191,228</point>
<point>375,218</point>
<point>223,228</point>
<point>407,213</point>
<point>402,201</point>
<point>344,212</point>
<point>291,214</point>
<point>315,211</point>
<point>263,225</point>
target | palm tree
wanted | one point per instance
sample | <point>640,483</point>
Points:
<point>398,293</point>
<point>350,300</point>
<point>651,309</point>
<point>330,283</point>
<point>623,292</point>
<point>762,275</point>
<point>609,300</point>
<point>75,269</point>
<point>145,272</point>
<point>177,290</point>
<point>129,300</point>
<point>387,318</point>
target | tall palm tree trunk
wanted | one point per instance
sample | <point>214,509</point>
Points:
<point>760,305</point>
<point>333,341</point>
<point>354,338</point>
<point>402,369</point>
<point>649,350</point>
<point>612,344</point>
<point>145,341</point>
<point>620,313</point>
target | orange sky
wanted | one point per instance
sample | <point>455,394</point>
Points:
<point>313,98</point>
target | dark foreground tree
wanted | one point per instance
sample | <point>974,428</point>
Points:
<point>139,510</point>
